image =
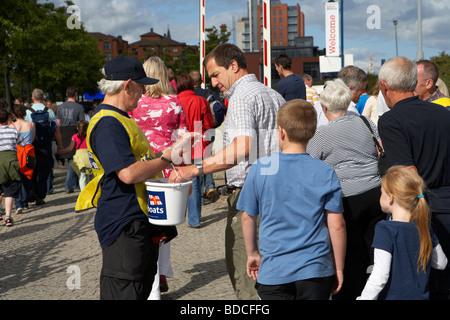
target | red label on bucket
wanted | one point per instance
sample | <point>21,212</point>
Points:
<point>156,203</point>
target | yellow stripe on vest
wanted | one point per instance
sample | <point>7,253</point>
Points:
<point>88,197</point>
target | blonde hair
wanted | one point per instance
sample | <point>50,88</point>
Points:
<point>407,188</point>
<point>299,118</point>
<point>155,68</point>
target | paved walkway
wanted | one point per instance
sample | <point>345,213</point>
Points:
<point>51,247</point>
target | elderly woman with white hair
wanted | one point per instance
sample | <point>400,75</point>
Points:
<point>346,144</point>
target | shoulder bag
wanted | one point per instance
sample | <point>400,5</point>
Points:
<point>382,161</point>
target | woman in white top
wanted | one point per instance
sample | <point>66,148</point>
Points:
<point>370,109</point>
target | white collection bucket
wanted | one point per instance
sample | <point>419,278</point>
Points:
<point>167,202</point>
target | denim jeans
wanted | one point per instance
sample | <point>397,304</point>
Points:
<point>71,179</point>
<point>22,200</point>
<point>209,183</point>
<point>195,202</point>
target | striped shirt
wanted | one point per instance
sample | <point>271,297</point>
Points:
<point>9,137</point>
<point>252,111</point>
<point>311,95</point>
<point>346,144</point>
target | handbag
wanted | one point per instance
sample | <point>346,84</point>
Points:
<point>382,161</point>
<point>163,234</point>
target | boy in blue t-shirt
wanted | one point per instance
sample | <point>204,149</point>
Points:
<point>302,235</point>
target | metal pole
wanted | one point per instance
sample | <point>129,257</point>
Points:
<point>267,29</point>
<point>341,11</point>
<point>396,44</point>
<point>419,31</point>
<point>250,24</point>
<point>202,41</point>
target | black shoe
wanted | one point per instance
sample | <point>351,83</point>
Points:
<point>40,202</point>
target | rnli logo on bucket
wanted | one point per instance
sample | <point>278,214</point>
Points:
<point>154,200</point>
<point>156,205</point>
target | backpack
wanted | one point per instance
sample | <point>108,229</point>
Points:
<point>218,110</point>
<point>45,129</point>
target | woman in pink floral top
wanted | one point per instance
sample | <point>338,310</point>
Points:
<point>161,118</point>
<point>159,115</point>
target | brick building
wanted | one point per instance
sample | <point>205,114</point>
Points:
<point>287,23</point>
<point>152,43</point>
<point>110,46</point>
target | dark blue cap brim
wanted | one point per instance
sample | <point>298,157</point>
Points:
<point>146,81</point>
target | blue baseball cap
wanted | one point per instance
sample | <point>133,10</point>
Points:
<point>124,68</point>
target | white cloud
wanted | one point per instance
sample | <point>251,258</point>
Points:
<point>131,18</point>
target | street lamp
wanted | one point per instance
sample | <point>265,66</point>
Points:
<point>396,44</point>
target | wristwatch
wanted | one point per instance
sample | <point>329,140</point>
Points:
<point>199,166</point>
<point>166,160</point>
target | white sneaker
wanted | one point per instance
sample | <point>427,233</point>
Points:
<point>19,210</point>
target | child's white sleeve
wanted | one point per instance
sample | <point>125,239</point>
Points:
<point>379,275</point>
<point>438,258</point>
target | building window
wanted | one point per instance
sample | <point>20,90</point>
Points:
<point>107,46</point>
<point>274,35</point>
<point>281,12</point>
<point>313,69</point>
<point>274,43</point>
<point>281,36</point>
<point>274,20</point>
<point>274,12</point>
<point>274,28</point>
<point>281,27</point>
<point>175,49</point>
<point>108,56</point>
<point>281,20</point>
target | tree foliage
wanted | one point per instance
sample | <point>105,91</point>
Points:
<point>41,51</point>
<point>214,37</point>
<point>442,61</point>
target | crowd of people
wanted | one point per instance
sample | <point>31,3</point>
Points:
<point>311,213</point>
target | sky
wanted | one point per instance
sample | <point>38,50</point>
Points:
<point>369,35</point>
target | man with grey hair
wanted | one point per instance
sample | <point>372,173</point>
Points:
<point>122,159</point>
<point>416,134</point>
<point>356,79</point>
<point>43,147</point>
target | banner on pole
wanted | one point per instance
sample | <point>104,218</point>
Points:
<point>332,29</point>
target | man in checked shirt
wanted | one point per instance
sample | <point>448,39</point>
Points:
<point>249,134</point>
